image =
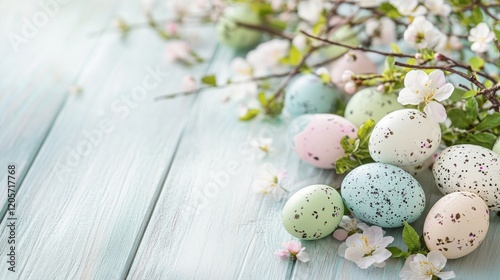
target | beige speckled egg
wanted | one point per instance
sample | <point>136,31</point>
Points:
<point>472,169</point>
<point>457,224</point>
<point>313,212</point>
<point>404,137</point>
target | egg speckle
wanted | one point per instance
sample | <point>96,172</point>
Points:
<point>309,95</point>
<point>456,225</point>
<point>383,195</point>
<point>369,103</point>
<point>472,169</point>
<point>313,212</point>
<point>404,137</point>
<point>316,138</point>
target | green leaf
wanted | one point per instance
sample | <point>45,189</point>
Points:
<point>396,252</point>
<point>366,129</point>
<point>210,80</point>
<point>345,164</point>
<point>411,238</point>
<point>483,139</point>
<point>458,118</point>
<point>262,99</point>
<point>497,34</point>
<point>489,122</point>
<point>390,62</point>
<point>325,78</point>
<point>389,10</point>
<point>346,144</point>
<point>251,113</point>
<point>476,16</point>
<point>469,94</point>
<point>476,63</point>
<point>294,57</point>
<point>471,109</point>
<point>457,94</point>
<point>395,48</point>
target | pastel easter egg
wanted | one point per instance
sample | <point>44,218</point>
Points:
<point>316,138</point>
<point>383,195</point>
<point>232,35</point>
<point>496,147</point>
<point>457,224</point>
<point>309,95</point>
<point>404,137</point>
<point>415,169</point>
<point>356,61</point>
<point>472,169</point>
<point>369,103</point>
<point>345,35</point>
<point>313,212</point>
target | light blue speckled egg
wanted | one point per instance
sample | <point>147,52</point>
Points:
<point>369,103</point>
<point>309,95</point>
<point>383,195</point>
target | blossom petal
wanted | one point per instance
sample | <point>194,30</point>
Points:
<point>340,234</point>
<point>444,92</point>
<point>354,254</point>
<point>406,96</point>
<point>435,111</point>
<point>303,257</point>
<point>379,265</point>
<point>365,262</point>
<point>282,254</point>
<point>436,79</point>
<point>341,250</point>
<point>415,79</point>
<point>446,275</point>
<point>437,259</point>
<point>293,246</point>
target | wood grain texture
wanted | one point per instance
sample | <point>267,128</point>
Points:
<point>36,78</point>
<point>87,224</point>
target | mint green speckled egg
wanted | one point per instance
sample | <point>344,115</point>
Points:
<point>313,212</point>
<point>234,36</point>
<point>369,103</point>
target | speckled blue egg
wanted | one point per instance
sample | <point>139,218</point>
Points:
<point>309,95</point>
<point>313,212</point>
<point>383,195</point>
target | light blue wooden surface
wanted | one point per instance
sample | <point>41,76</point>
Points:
<point>166,194</point>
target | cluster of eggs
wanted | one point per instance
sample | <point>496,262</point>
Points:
<point>403,143</point>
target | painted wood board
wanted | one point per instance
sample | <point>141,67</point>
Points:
<point>83,216</point>
<point>36,77</point>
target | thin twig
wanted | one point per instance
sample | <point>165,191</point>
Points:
<point>264,28</point>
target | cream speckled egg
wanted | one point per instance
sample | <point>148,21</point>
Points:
<point>418,168</point>
<point>316,138</point>
<point>313,212</point>
<point>383,195</point>
<point>369,103</point>
<point>472,169</point>
<point>233,35</point>
<point>361,65</point>
<point>309,95</point>
<point>496,147</point>
<point>457,224</point>
<point>404,137</point>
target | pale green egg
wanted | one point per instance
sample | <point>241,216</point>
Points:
<point>345,35</point>
<point>369,103</point>
<point>313,212</point>
<point>496,147</point>
<point>232,35</point>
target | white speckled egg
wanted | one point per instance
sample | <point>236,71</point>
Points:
<point>383,195</point>
<point>313,212</point>
<point>415,169</point>
<point>472,169</point>
<point>369,103</point>
<point>361,65</point>
<point>457,224</point>
<point>234,36</point>
<point>309,95</point>
<point>496,147</point>
<point>404,137</point>
<point>316,138</point>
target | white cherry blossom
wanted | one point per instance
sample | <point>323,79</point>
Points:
<point>265,59</point>
<point>270,181</point>
<point>409,7</point>
<point>420,267</point>
<point>369,3</point>
<point>381,31</point>
<point>421,33</point>
<point>310,10</point>
<point>293,250</point>
<point>437,7</point>
<point>423,88</point>
<point>480,37</point>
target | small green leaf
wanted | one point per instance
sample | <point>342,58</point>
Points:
<point>345,164</point>
<point>489,122</point>
<point>325,78</point>
<point>210,80</point>
<point>469,94</point>
<point>411,238</point>
<point>458,118</point>
<point>457,94</point>
<point>389,62</point>
<point>476,63</point>
<point>395,48</point>
<point>471,109</point>
<point>396,252</point>
<point>497,34</point>
<point>483,139</point>
<point>346,144</point>
<point>366,129</point>
<point>389,10</point>
<point>477,15</point>
<point>262,99</point>
<point>250,114</point>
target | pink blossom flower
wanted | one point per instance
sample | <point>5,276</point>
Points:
<point>293,250</point>
<point>178,50</point>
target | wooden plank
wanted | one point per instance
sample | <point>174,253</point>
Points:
<point>83,218</point>
<point>208,223</point>
<point>36,78</point>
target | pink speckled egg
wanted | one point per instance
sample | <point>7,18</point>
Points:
<point>360,65</point>
<point>316,138</point>
<point>457,224</point>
